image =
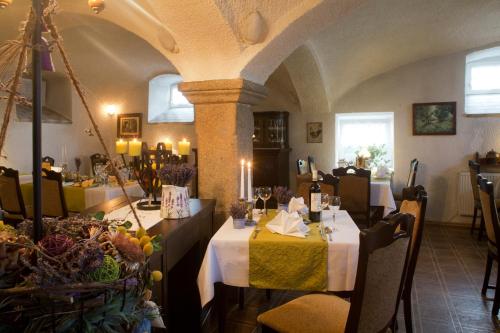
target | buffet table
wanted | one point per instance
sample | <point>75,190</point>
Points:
<point>184,244</point>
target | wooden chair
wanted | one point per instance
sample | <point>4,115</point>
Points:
<point>302,167</point>
<point>490,215</point>
<point>354,191</point>
<point>414,203</point>
<point>53,201</point>
<point>474,171</point>
<point>383,256</point>
<point>97,159</point>
<point>11,198</point>
<point>329,184</point>
<point>411,179</point>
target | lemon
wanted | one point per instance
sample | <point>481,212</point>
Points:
<point>136,241</point>
<point>144,240</point>
<point>128,235</point>
<point>140,232</point>
<point>156,276</point>
<point>121,229</point>
<point>148,249</point>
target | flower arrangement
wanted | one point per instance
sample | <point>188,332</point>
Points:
<point>238,210</point>
<point>89,271</point>
<point>176,174</point>
<point>282,194</point>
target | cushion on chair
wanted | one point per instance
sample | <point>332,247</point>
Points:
<point>414,208</point>
<point>311,313</point>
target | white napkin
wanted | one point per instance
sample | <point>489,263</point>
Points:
<point>297,205</point>
<point>288,224</point>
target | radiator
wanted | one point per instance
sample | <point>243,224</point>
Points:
<point>465,198</point>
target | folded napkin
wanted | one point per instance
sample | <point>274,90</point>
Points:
<point>297,205</point>
<point>288,224</point>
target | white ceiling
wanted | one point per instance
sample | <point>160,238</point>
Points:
<point>385,34</point>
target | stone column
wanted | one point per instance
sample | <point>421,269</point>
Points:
<point>224,129</point>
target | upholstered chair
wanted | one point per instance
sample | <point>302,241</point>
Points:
<point>11,199</point>
<point>53,201</point>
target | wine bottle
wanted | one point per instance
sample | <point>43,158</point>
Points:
<point>315,199</point>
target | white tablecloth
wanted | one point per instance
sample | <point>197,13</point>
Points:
<point>227,257</point>
<point>148,217</point>
<point>381,195</point>
<point>100,194</point>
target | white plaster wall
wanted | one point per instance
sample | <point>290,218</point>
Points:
<point>441,157</point>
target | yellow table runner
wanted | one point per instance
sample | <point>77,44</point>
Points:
<point>287,262</point>
<point>75,197</point>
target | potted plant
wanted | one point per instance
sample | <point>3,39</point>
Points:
<point>238,212</point>
<point>283,195</point>
<point>175,194</point>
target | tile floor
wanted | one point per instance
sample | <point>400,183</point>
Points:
<point>447,289</point>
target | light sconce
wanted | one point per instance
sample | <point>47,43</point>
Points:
<point>5,3</point>
<point>111,109</point>
<point>96,5</point>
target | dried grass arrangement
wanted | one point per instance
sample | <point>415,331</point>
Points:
<point>85,275</point>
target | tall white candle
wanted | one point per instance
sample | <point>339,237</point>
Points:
<point>242,180</point>
<point>249,165</point>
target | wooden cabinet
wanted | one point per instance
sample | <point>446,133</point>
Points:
<point>271,150</point>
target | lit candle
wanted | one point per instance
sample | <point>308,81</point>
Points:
<point>153,166</point>
<point>184,147</point>
<point>249,185</point>
<point>121,147</point>
<point>168,144</point>
<point>134,148</point>
<point>242,180</point>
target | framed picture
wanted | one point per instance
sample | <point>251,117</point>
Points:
<point>129,125</point>
<point>435,118</point>
<point>315,132</point>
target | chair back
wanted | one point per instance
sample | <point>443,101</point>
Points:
<point>96,159</point>
<point>383,256</point>
<point>474,171</point>
<point>302,167</point>
<point>53,201</point>
<point>311,163</point>
<point>489,211</point>
<point>329,185</point>
<point>11,198</point>
<point>354,190</point>
<point>414,203</point>
<point>413,173</point>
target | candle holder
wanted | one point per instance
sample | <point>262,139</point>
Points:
<point>250,219</point>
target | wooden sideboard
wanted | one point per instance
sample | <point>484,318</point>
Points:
<point>184,245</point>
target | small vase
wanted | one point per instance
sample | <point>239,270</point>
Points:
<point>174,202</point>
<point>282,207</point>
<point>239,223</point>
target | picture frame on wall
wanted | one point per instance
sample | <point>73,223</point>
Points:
<point>438,118</point>
<point>129,125</point>
<point>315,132</point>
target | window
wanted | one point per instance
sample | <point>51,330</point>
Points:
<point>166,103</point>
<point>359,131</point>
<point>482,82</point>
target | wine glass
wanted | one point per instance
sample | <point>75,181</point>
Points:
<point>324,200</point>
<point>255,197</point>
<point>335,204</point>
<point>265,193</point>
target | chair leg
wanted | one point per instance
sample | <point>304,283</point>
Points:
<point>474,217</point>
<point>407,312</point>
<point>481,228</point>
<point>496,301</point>
<point>487,273</point>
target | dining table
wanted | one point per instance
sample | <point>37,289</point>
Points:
<point>228,259</point>
<point>80,198</point>
<point>381,194</point>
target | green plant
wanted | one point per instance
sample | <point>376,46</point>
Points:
<point>378,155</point>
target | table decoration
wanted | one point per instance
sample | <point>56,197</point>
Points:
<point>288,224</point>
<point>175,194</point>
<point>238,213</point>
<point>283,262</point>
<point>283,195</point>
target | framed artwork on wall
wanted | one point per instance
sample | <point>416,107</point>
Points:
<point>129,125</point>
<point>315,132</point>
<point>435,118</point>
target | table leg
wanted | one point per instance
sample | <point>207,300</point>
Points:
<point>220,306</point>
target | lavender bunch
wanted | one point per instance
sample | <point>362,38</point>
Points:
<point>238,210</point>
<point>176,174</point>
<point>282,194</point>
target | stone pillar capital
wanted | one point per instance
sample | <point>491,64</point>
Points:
<point>223,91</point>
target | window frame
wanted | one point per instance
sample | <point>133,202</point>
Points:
<point>168,82</point>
